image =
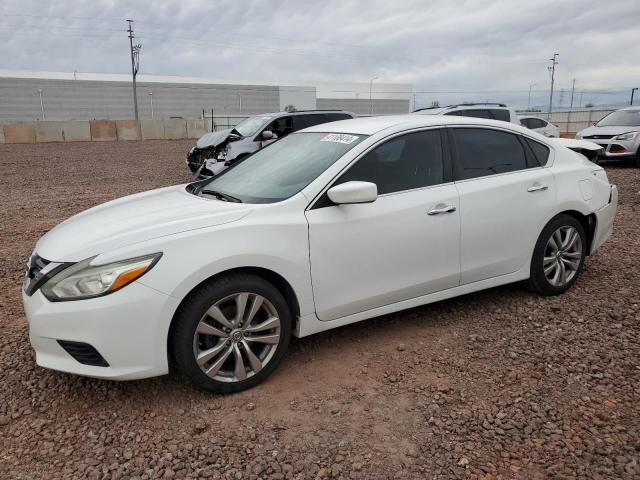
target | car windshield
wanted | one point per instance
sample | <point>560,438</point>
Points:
<point>251,125</point>
<point>621,118</point>
<point>283,168</point>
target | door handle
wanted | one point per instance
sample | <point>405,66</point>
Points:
<point>537,187</point>
<point>441,208</point>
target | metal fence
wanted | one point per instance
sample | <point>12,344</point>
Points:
<point>574,120</point>
<point>215,123</point>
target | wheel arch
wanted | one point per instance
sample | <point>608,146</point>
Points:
<point>277,280</point>
<point>588,222</point>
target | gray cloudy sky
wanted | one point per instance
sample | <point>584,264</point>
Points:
<point>478,50</point>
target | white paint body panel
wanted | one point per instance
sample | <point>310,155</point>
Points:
<point>385,252</point>
<point>344,263</point>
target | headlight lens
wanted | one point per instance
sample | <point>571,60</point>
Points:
<point>82,280</point>
<point>627,136</point>
<point>579,136</point>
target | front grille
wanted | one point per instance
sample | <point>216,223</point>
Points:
<point>83,353</point>
<point>595,137</point>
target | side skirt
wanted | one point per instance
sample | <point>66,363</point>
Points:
<point>310,324</point>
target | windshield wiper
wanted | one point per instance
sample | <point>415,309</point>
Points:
<point>221,196</point>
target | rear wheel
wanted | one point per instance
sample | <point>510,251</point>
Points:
<point>558,256</point>
<point>231,334</point>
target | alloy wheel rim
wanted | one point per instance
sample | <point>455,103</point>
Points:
<point>562,256</point>
<point>236,337</point>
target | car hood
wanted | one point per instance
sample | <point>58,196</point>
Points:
<point>613,130</point>
<point>213,139</point>
<point>134,219</point>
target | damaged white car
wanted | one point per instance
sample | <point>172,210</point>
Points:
<point>216,151</point>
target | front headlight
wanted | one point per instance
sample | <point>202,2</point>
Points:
<point>83,280</point>
<point>627,136</point>
<point>579,136</point>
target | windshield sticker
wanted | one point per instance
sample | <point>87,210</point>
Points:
<point>339,138</point>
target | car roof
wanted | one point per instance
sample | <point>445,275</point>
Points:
<point>300,112</point>
<point>372,125</point>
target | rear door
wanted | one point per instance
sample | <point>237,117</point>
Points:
<point>506,197</point>
<point>403,245</point>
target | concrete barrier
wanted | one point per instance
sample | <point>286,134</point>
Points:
<point>196,128</point>
<point>127,129</point>
<point>175,128</point>
<point>103,130</point>
<point>76,131</point>
<point>47,132</point>
<point>19,132</point>
<point>152,129</point>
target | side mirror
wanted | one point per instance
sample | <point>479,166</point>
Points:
<point>353,192</point>
<point>268,135</point>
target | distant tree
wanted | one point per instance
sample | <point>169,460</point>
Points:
<point>435,104</point>
<point>290,108</point>
<point>589,105</point>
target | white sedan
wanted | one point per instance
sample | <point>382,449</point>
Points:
<point>331,225</point>
<point>541,126</point>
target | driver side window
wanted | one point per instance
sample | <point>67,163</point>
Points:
<point>281,126</point>
<point>403,163</point>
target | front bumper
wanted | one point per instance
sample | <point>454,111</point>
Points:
<point>616,148</point>
<point>128,328</point>
<point>604,220</point>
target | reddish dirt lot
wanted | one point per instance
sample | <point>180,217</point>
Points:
<point>498,384</point>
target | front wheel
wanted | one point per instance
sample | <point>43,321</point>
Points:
<point>558,256</point>
<point>231,333</point>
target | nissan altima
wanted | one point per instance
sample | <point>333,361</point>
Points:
<point>331,225</point>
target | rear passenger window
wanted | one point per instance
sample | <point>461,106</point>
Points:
<point>482,151</point>
<point>334,117</point>
<point>540,151</point>
<point>403,163</point>
<point>307,120</point>
<point>501,114</point>
<point>476,113</point>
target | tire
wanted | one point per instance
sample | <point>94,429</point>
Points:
<point>208,328</point>
<point>563,266</point>
<point>636,161</point>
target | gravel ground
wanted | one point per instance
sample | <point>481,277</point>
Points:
<point>498,384</point>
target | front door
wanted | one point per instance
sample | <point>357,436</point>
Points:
<point>402,246</point>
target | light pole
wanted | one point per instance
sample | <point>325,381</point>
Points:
<point>552,68</point>
<point>529,101</point>
<point>151,100</point>
<point>632,91</point>
<point>41,102</point>
<point>240,102</point>
<point>371,94</point>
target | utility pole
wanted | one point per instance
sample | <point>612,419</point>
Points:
<point>529,100</point>
<point>573,87</point>
<point>135,64</point>
<point>371,94</point>
<point>632,92</point>
<point>552,68</point>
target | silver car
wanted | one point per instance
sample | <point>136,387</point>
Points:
<point>618,134</point>
<point>216,151</point>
